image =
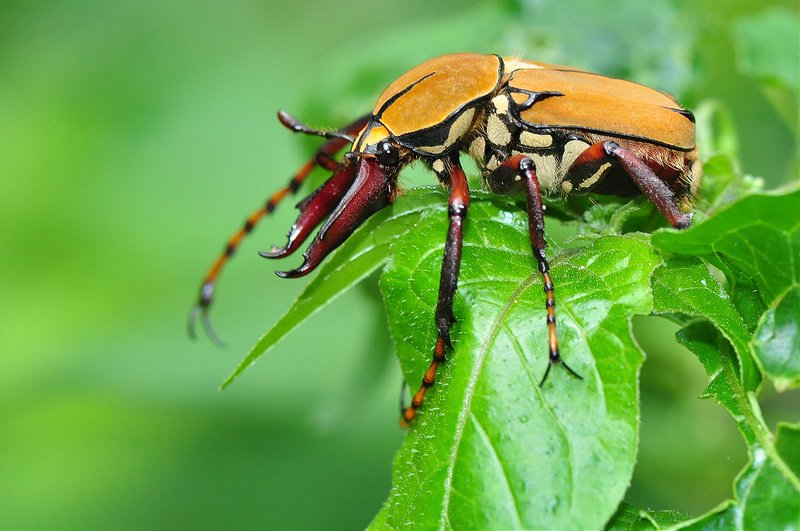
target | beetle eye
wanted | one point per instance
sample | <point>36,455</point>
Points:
<point>387,154</point>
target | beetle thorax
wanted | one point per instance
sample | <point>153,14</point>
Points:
<point>499,137</point>
<point>430,109</point>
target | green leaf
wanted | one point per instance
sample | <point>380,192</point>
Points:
<point>758,237</point>
<point>490,448</point>
<point>724,517</point>
<point>631,518</point>
<point>768,498</point>
<point>364,252</point>
<point>686,287</point>
<point>767,490</point>
<point>756,243</point>
<point>777,340</point>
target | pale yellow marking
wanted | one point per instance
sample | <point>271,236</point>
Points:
<point>566,186</point>
<point>438,166</point>
<point>526,138</point>
<point>572,151</point>
<point>457,130</point>
<point>496,130</point>
<point>586,183</point>
<point>492,164</point>
<point>477,149</point>
<point>546,170</point>
<point>500,104</point>
<point>518,178</point>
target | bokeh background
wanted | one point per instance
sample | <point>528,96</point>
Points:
<point>136,136</point>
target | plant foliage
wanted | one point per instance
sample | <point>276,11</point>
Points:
<point>491,448</point>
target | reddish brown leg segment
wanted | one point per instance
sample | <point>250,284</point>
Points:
<point>314,208</point>
<point>324,158</point>
<point>373,188</point>
<point>648,182</point>
<point>526,169</point>
<point>451,263</point>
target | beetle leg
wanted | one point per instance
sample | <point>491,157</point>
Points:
<point>372,189</point>
<point>648,182</point>
<point>451,263</point>
<point>588,169</point>
<point>525,168</point>
<point>324,158</point>
<point>313,210</point>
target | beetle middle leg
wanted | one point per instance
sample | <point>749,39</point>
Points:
<point>457,210</point>
<point>523,167</point>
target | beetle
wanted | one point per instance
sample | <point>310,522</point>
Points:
<point>532,127</point>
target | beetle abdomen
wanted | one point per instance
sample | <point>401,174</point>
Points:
<point>553,114</point>
<point>598,104</point>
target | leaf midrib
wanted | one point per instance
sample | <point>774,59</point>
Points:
<point>469,393</point>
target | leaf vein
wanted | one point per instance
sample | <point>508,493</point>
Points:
<point>488,441</point>
<point>470,392</point>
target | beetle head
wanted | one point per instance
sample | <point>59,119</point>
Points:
<point>364,184</point>
<point>375,143</point>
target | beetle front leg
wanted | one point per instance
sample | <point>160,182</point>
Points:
<point>324,158</point>
<point>451,263</point>
<point>373,189</point>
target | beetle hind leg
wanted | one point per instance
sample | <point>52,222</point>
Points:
<point>648,182</point>
<point>590,169</point>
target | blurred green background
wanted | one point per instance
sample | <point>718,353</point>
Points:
<point>136,136</point>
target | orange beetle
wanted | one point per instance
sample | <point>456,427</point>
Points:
<point>532,127</point>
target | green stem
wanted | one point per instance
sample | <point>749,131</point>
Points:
<point>752,412</point>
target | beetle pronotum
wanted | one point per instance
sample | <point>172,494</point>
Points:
<point>531,127</point>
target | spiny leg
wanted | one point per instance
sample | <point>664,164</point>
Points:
<point>324,158</point>
<point>648,182</point>
<point>451,263</point>
<point>525,168</point>
<point>314,209</point>
<point>590,168</point>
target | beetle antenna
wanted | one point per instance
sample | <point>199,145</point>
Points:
<point>296,126</point>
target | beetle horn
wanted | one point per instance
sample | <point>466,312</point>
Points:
<point>313,210</point>
<point>371,190</point>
